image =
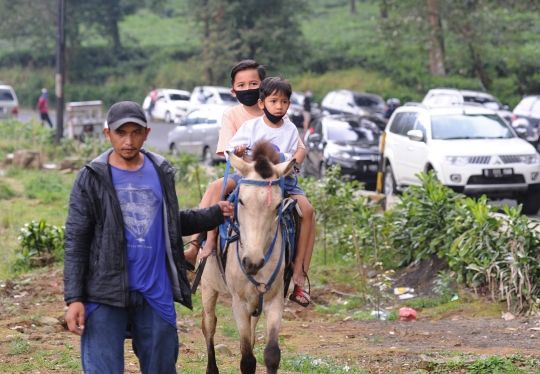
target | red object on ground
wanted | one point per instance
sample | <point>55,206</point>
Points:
<point>407,314</point>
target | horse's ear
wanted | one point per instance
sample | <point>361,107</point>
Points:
<point>240,165</point>
<point>284,168</point>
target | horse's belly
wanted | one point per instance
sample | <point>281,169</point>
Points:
<point>212,276</point>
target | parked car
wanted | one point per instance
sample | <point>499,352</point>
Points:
<point>350,140</point>
<point>471,149</point>
<point>451,96</point>
<point>346,101</point>
<point>214,95</point>
<point>9,104</point>
<point>170,104</point>
<point>198,132</point>
<point>295,109</point>
<point>527,115</point>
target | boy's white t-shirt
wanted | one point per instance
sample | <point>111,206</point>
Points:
<point>285,137</point>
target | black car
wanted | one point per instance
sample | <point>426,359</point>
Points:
<point>347,101</point>
<point>346,139</point>
<point>526,116</point>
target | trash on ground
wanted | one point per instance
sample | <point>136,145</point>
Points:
<point>406,296</point>
<point>454,298</point>
<point>508,316</point>
<point>407,314</point>
<point>402,290</point>
<point>380,315</point>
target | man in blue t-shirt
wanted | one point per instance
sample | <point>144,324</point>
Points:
<point>124,264</point>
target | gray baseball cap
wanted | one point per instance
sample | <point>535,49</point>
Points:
<point>125,112</point>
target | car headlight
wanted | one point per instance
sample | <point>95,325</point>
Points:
<point>293,113</point>
<point>456,160</point>
<point>530,159</point>
<point>341,155</point>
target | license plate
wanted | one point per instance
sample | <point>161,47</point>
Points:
<point>498,173</point>
<point>373,167</point>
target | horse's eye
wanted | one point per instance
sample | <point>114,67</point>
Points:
<point>240,201</point>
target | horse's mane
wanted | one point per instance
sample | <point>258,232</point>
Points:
<point>264,154</point>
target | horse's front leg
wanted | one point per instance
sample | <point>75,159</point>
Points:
<point>209,320</point>
<point>242,314</point>
<point>273,312</point>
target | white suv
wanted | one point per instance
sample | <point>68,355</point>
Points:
<point>471,149</point>
<point>9,104</point>
<point>452,96</point>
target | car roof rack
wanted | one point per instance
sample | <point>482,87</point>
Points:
<point>414,103</point>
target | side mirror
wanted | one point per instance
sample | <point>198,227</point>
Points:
<point>506,107</point>
<point>521,132</point>
<point>520,122</point>
<point>415,135</point>
<point>314,137</point>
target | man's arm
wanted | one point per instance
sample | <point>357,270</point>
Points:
<point>80,224</point>
<point>193,221</point>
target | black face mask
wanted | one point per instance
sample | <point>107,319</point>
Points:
<point>248,97</point>
<point>271,117</point>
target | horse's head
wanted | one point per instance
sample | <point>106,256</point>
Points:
<point>258,204</point>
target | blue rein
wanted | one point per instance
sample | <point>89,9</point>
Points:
<point>234,224</point>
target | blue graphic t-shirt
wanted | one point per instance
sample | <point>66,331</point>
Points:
<point>141,200</point>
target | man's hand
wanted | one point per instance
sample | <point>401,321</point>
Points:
<point>227,208</point>
<point>75,318</point>
<point>240,150</point>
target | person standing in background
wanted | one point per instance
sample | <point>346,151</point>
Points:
<point>306,109</point>
<point>153,99</point>
<point>43,107</point>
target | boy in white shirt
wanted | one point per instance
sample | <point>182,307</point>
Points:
<point>274,100</point>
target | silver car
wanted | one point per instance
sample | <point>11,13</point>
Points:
<point>9,104</point>
<point>197,133</point>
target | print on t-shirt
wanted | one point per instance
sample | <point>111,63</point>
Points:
<point>139,207</point>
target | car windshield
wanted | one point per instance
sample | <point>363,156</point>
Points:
<point>367,102</point>
<point>340,131</point>
<point>484,101</point>
<point>227,97</point>
<point>179,97</point>
<point>5,95</point>
<point>462,126</point>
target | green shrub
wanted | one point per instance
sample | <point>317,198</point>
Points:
<point>39,239</point>
<point>420,219</point>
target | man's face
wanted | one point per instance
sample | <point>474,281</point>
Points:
<point>277,103</point>
<point>127,140</point>
<point>246,80</point>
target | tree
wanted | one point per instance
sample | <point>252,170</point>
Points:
<point>436,40</point>
<point>233,30</point>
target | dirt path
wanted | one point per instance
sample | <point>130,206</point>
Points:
<point>374,346</point>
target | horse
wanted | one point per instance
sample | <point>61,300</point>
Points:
<point>253,271</point>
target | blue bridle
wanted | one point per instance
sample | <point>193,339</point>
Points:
<point>234,224</point>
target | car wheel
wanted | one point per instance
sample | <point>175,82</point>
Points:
<point>322,170</point>
<point>168,118</point>
<point>207,157</point>
<point>531,203</point>
<point>173,149</point>
<point>389,186</point>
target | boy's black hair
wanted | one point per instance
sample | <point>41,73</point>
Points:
<point>274,85</point>
<point>245,65</point>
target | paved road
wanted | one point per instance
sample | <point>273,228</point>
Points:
<point>157,138</point>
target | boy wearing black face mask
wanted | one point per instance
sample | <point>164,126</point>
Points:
<point>274,100</point>
<point>246,77</point>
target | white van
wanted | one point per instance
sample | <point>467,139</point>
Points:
<point>9,104</point>
<point>212,95</point>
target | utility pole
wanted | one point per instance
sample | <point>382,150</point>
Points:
<point>60,75</point>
